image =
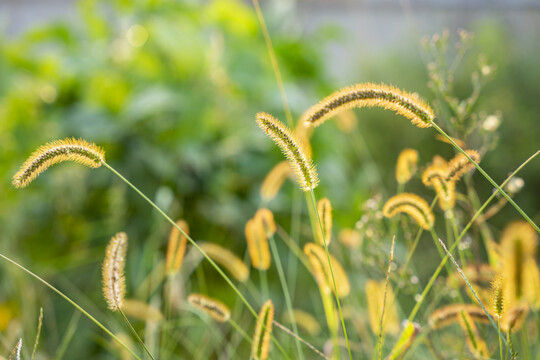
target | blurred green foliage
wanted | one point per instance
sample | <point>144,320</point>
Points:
<point>169,89</point>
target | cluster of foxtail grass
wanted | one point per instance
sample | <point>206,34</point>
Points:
<point>487,299</point>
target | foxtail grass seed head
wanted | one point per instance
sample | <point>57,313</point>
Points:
<point>293,149</point>
<point>274,180</point>
<point>350,238</point>
<point>497,287</point>
<point>407,164</point>
<point>267,219</point>
<point>410,204</point>
<point>435,177</point>
<point>257,242</point>
<point>439,161</point>
<point>518,249</point>
<point>460,143</point>
<point>114,281</point>
<point>324,207</point>
<point>54,152</point>
<point>460,165</point>
<point>227,259</point>
<point>370,95</point>
<point>375,300</point>
<point>216,309</point>
<point>176,248</point>
<point>142,311</point>
<point>261,340</point>
<point>304,320</point>
<point>449,314</point>
<point>321,270</point>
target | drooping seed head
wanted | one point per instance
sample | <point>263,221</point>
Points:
<point>410,204</point>
<point>114,281</point>
<point>257,241</point>
<point>406,165</point>
<point>321,271</point>
<point>176,248</point>
<point>275,179</point>
<point>435,176</point>
<point>267,219</point>
<point>293,149</point>
<point>475,342</point>
<point>370,95</point>
<point>350,238</point>
<point>449,314</point>
<point>215,308</point>
<point>71,149</point>
<point>261,340</point>
<point>227,259</point>
<point>460,165</point>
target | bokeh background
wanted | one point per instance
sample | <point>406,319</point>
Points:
<point>170,88</point>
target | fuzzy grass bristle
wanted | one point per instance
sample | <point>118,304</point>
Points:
<point>371,95</point>
<point>261,340</point>
<point>321,270</point>
<point>406,166</point>
<point>54,152</point>
<point>215,308</point>
<point>459,165</point>
<point>293,149</point>
<point>410,204</point>
<point>114,281</point>
<point>497,288</point>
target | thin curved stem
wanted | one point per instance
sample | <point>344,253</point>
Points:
<point>135,333</point>
<point>72,303</point>
<point>195,245</point>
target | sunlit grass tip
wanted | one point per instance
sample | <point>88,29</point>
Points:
<point>322,273</point>
<point>114,281</point>
<point>369,95</point>
<point>176,248</point>
<point>54,152</point>
<point>410,204</point>
<point>261,340</point>
<point>227,259</point>
<point>406,166</point>
<point>16,352</point>
<point>215,308</point>
<point>293,149</point>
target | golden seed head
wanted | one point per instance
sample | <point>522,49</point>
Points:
<point>57,151</point>
<point>293,149</point>
<point>410,204</point>
<point>370,95</point>
<point>406,165</point>
<point>257,242</point>
<point>350,238</point>
<point>375,300</point>
<point>141,311</point>
<point>215,308</point>
<point>114,281</point>
<point>448,315</point>
<point>267,219</point>
<point>176,248</point>
<point>275,179</point>
<point>475,342</point>
<point>227,259</point>
<point>321,270</point>
<point>460,165</point>
<point>324,207</point>
<point>497,287</point>
<point>261,339</point>
<point>435,176</point>
<point>439,161</point>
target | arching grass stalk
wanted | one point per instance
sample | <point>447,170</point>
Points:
<point>331,272</point>
<point>288,302</point>
<point>499,188</point>
<point>132,329</point>
<point>461,235</point>
<point>472,290</point>
<point>380,336</point>
<point>313,348</point>
<point>195,245</point>
<point>74,304</point>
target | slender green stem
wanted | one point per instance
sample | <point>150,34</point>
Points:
<point>499,189</point>
<point>70,331</point>
<point>263,278</point>
<point>196,246</point>
<point>500,342</point>
<point>72,303</point>
<point>273,60</point>
<point>40,323</point>
<point>380,342</point>
<point>288,302</point>
<point>461,235</point>
<point>241,331</point>
<point>331,271</point>
<point>135,333</point>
